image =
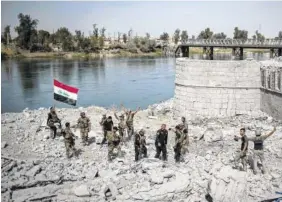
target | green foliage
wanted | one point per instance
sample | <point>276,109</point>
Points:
<point>176,36</point>
<point>184,36</point>
<point>64,37</point>
<point>43,37</point>
<point>206,34</point>
<point>164,37</point>
<point>219,36</point>
<point>124,38</point>
<point>240,34</point>
<point>258,36</point>
<point>26,31</point>
<point>6,36</point>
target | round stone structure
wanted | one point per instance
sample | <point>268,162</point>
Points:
<point>214,88</point>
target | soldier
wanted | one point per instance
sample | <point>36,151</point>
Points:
<point>184,124</point>
<point>258,148</point>
<point>113,142</point>
<point>121,126</point>
<point>85,126</point>
<point>108,126</point>
<point>244,148</point>
<point>104,118</point>
<point>51,120</point>
<point>129,121</point>
<point>177,146</point>
<point>161,142</point>
<point>184,143</point>
<point>69,140</point>
<point>140,145</point>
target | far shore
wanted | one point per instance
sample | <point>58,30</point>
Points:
<point>6,54</point>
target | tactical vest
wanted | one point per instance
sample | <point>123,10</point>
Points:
<point>143,140</point>
<point>258,144</point>
<point>83,122</point>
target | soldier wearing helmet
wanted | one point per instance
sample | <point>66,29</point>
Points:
<point>51,120</point>
<point>121,125</point>
<point>258,148</point>
<point>85,126</point>
<point>69,140</point>
<point>140,145</point>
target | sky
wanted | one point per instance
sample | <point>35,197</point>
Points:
<point>152,17</point>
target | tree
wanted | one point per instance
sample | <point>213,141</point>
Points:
<point>26,30</point>
<point>176,36</point>
<point>119,36</point>
<point>124,38</point>
<point>102,32</point>
<point>258,36</point>
<point>240,34</point>
<point>184,36</point>
<point>64,37</point>
<point>148,35</point>
<point>280,35</point>
<point>219,36</point>
<point>206,34</point>
<point>43,37</point>
<point>164,37</point>
<point>6,37</point>
<point>95,30</point>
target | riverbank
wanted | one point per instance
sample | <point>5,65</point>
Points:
<point>34,167</point>
<point>10,53</point>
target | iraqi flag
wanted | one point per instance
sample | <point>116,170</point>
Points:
<point>65,93</point>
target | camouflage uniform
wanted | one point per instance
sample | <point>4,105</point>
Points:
<point>242,155</point>
<point>258,149</point>
<point>140,145</point>
<point>84,125</point>
<point>160,143</point>
<point>184,142</point>
<point>52,119</point>
<point>129,124</point>
<point>104,118</point>
<point>69,141</point>
<point>113,142</point>
<point>121,126</point>
<point>177,147</point>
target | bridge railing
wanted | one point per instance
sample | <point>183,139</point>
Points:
<point>226,42</point>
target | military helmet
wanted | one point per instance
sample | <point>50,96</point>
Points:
<point>82,113</point>
<point>142,132</point>
<point>67,124</point>
<point>258,132</point>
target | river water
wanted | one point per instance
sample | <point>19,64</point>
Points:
<point>28,83</point>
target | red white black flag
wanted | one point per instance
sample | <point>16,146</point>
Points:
<point>64,93</point>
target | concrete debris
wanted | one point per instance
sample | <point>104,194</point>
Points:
<point>35,167</point>
<point>81,191</point>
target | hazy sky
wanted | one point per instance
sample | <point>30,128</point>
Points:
<point>152,17</point>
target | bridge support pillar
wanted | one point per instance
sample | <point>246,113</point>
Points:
<point>208,51</point>
<point>271,53</point>
<point>279,52</point>
<point>211,53</point>
<point>241,53</point>
<point>185,51</point>
<point>233,51</point>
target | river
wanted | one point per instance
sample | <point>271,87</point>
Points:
<point>28,83</point>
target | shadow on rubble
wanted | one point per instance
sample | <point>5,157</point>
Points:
<point>91,140</point>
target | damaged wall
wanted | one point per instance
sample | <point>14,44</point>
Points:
<point>216,88</point>
<point>271,88</point>
<point>225,88</point>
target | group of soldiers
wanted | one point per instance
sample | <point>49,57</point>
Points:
<point>116,137</point>
<point>258,153</point>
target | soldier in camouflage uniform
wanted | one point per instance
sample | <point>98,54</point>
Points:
<point>69,140</point>
<point>51,120</point>
<point>258,148</point>
<point>113,142</point>
<point>184,143</point>
<point>243,151</point>
<point>103,120</point>
<point>140,145</point>
<point>121,126</point>
<point>161,142</point>
<point>184,124</point>
<point>85,126</point>
<point>177,146</point>
<point>129,122</point>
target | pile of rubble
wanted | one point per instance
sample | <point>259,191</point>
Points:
<point>35,168</point>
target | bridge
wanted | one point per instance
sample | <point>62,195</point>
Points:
<point>237,46</point>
